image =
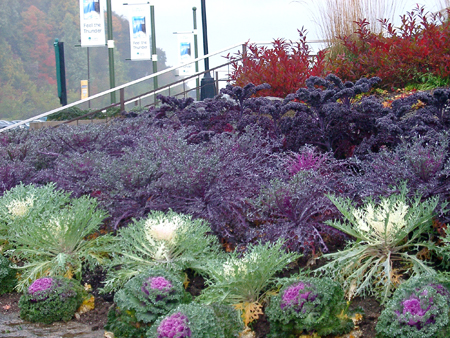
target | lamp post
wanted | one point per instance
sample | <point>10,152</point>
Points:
<point>112,80</point>
<point>194,12</point>
<point>208,88</point>
<point>154,52</point>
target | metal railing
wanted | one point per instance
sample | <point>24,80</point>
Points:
<point>138,100</point>
<point>122,102</point>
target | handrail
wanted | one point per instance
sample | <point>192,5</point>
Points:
<point>151,92</point>
<point>106,92</point>
<point>155,91</point>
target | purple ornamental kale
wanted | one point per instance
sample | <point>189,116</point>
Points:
<point>293,296</point>
<point>160,284</point>
<point>240,94</point>
<point>40,284</point>
<point>174,326</point>
<point>306,160</point>
<point>415,308</point>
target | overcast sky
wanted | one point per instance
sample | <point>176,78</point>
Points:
<point>231,22</point>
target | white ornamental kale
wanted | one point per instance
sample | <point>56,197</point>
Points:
<point>162,229</point>
<point>20,207</point>
<point>162,239</point>
<point>394,230</point>
<point>381,222</point>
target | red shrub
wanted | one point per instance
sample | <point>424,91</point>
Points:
<point>285,66</point>
<point>420,46</point>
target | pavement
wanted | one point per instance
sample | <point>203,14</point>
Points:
<point>11,326</point>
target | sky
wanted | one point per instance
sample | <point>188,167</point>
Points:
<point>231,22</point>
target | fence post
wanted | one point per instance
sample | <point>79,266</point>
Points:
<point>122,99</point>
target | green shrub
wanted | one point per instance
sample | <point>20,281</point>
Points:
<point>124,324</point>
<point>419,308</point>
<point>8,278</point>
<point>306,305</point>
<point>51,299</point>
<point>228,319</point>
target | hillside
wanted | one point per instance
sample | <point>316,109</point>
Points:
<point>28,29</point>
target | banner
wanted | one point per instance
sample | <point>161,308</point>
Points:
<point>92,23</point>
<point>139,18</point>
<point>186,53</point>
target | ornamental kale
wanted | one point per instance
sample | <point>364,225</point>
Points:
<point>294,205</point>
<point>244,281</point>
<point>8,278</point>
<point>419,308</point>
<point>306,305</point>
<point>192,320</point>
<point>151,294</point>
<point>57,243</point>
<point>41,287</point>
<point>28,204</point>
<point>241,94</point>
<point>51,299</point>
<point>326,117</point>
<point>170,240</point>
<point>174,326</point>
<point>385,232</point>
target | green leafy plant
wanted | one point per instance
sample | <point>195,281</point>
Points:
<point>419,308</point>
<point>8,278</point>
<point>308,305</point>
<point>192,320</point>
<point>51,299</point>
<point>151,294</point>
<point>386,235</point>
<point>245,281</point>
<point>228,319</point>
<point>124,324</point>
<point>27,204</point>
<point>58,245</point>
<point>169,240</point>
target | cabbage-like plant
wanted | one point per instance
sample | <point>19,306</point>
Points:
<point>308,305</point>
<point>143,299</point>
<point>151,294</point>
<point>27,204</point>
<point>244,281</point>
<point>419,308</point>
<point>59,244</point>
<point>169,240</point>
<point>387,235</point>
<point>196,321</point>
<point>51,299</point>
<point>8,278</point>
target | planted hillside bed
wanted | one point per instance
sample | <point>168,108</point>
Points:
<point>274,216</point>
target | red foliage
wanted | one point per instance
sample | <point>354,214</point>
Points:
<point>38,41</point>
<point>285,66</point>
<point>421,45</point>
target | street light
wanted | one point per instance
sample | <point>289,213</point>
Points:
<point>208,88</point>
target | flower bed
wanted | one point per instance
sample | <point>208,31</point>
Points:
<point>250,194</point>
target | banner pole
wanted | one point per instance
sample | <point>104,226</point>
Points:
<point>154,53</point>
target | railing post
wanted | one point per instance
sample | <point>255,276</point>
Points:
<point>217,83</point>
<point>122,99</point>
